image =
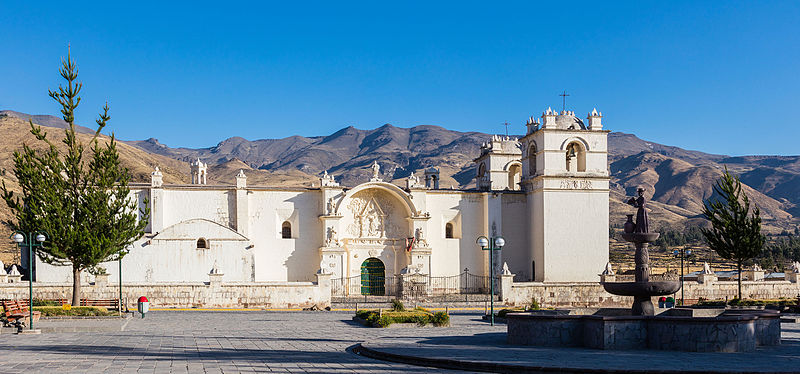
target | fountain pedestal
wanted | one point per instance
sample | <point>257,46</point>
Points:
<point>642,289</point>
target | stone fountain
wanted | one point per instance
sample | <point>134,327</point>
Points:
<point>642,288</point>
<point>680,329</point>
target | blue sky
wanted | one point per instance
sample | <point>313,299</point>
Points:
<point>720,77</point>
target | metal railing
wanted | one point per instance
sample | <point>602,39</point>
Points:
<point>409,286</point>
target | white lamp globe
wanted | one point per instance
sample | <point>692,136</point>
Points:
<point>41,238</point>
<point>499,242</point>
<point>18,238</point>
<point>483,242</point>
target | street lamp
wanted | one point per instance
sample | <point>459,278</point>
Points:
<point>682,253</point>
<point>32,239</point>
<point>491,245</point>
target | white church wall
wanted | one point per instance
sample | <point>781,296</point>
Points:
<point>452,256</point>
<point>517,251</point>
<point>278,259</point>
<point>181,204</point>
<point>576,234</point>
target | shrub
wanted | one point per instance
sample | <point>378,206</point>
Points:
<point>502,313</point>
<point>37,302</point>
<point>534,305</point>
<point>440,319</point>
<point>398,306</point>
<point>383,321</point>
<point>83,311</point>
<point>419,319</point>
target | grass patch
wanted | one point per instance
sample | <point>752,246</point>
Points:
<point>79,311</point>
<point>417,316</point>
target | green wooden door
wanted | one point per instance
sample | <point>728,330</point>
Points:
<point>373,277</point>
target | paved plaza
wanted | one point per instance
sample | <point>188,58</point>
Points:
<point>214,342</point>
<point>322,342</point>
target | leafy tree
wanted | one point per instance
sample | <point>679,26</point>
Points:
<point>81,201</point>
<point>735,232</point>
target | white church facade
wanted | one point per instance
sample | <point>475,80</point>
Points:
<point>545,193</point>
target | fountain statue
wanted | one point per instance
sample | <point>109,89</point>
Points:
<point>642,289</point>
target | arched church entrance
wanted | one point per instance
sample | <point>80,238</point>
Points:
<point>373,277</point>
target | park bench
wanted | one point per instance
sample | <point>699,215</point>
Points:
<point>18,313</point>
<point>106,303</point>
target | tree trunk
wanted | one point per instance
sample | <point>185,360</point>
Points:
<point>739,280</point>
<point>76,286</point>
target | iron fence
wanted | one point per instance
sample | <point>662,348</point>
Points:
<point>409,286</point>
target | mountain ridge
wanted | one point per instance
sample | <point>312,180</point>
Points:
<point>678,181</point>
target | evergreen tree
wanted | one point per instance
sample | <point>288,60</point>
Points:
<point>735,233</point>
<point>82,202</point>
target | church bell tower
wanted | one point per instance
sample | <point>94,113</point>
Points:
<point>565,177</point>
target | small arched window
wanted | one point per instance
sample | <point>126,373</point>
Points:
<point>202,243</point>
<point>286,230</point>
<point>448,230</point>
<point>532,160</point>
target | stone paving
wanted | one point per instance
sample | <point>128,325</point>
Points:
<point>470,350</point>
<point>318,342</point>
<point>220,342</point>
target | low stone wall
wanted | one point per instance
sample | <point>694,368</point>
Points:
<point>735,332</point>
<point>187,295</point>
<point>593,295</point>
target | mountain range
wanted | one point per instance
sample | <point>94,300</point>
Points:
<point>678,181</point>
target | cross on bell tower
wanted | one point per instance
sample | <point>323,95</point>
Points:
<point>563,100</point>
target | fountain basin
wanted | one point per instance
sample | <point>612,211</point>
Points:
<point>653,288</point>
<point>674,329</point>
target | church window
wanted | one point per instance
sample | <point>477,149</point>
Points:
<point>286,230</point>
<point>448,230</point>
<point>202,243</point>
<point>532,160</point>
<point>576,157</point>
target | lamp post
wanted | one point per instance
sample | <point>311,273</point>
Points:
<point>682,253</point>
<point>32,239</point>
<point>492,244</point>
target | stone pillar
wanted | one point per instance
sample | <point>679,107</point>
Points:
<point>14,276</point>
<point>707,278</point>
<point>101,280</point>
<point>610,278</point>
<point>506,287</point>
<point>156,205</point>
<point>242,206</point>
<point>215,279</point>
<point>324,285</point>
<point>753,274</point>
<point>413,285</point>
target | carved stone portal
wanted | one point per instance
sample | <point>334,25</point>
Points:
<point>373,216</point>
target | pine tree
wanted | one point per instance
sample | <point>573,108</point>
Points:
<point>82,202</point>
<point>735,233</point>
